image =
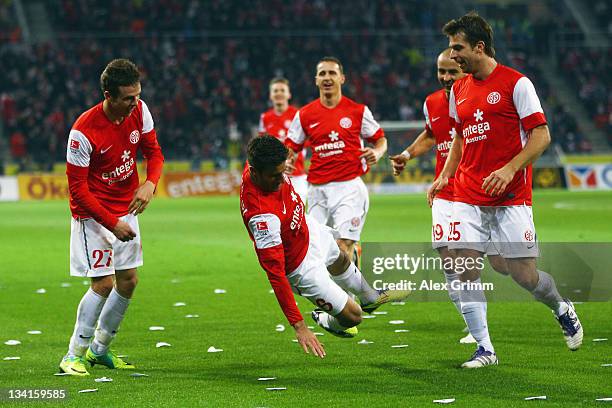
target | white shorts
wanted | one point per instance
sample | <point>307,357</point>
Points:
<point>441,214</point>
<point>342,205</point>
<point>300,185</point>
<point>510,230</point>
<point>95,251</point>
<point>311,279</point>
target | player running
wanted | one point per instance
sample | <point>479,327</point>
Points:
<point>438,132</point>
<point>276,122</point>
<point>299,254</point>
<point>500,130</point>
<point>336,128</point>
<point>105,199</point>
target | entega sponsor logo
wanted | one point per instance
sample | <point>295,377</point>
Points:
<point>297,216</point>
<point>119,171</point>
<point>479,128</point>
<point>478,138</point>
<point>330,146</point>
<point>443,146</point>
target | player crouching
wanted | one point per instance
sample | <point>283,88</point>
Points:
<point>299,254</point>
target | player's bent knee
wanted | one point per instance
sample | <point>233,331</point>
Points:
<point>340,265</point>
<point>350,315</point>
<point>102,285</point>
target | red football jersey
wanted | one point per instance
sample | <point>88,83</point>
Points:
<point>277,226</point>
<point>335,137</point>
<point>494,118</point>
<point>101,166</point>
<point>435,110</point>
<point>277,125</point>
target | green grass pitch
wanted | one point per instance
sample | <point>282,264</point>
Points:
<point>194,246</point>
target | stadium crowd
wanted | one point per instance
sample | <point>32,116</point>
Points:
<point>206,91</point>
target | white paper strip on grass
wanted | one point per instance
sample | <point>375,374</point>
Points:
<point>311,327</point>
<point>122,355</point>
<point>401,330</point>
<point>294,340</point>
<point>380,312</point>
<point>103,379</point>
<point>266,378</point>
<point>175,280</point>
<point>368,317</point>
<point>280,328</point>
<point>396,322</point>
<point>162,344</point>
<point>179,304</point>
<point>398,303</point>
<point>606,365</point>
<point>157,328</point>
<point>139,375</point>
<point>85,283</point>
<point>599,340</point>
<point>364,341</point>
<point>61,374</point>
<point>192,316</point>
<point>34,332</point>
<point>539,397</point>
<point>444,401</point>
<point>66,284</point>
<point>220,291</point>
<point>212,349</point>
<point>11,358</point>
<point>276,388</point>
<point>399,346</point>
<point>319,334</point>
<point>88,390</point>
<point>41,291</point>
<point>604,399</point>
<point>12,342</point>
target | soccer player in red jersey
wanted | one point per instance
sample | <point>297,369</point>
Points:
<point>298,254</point>
<point>336,128</point>
<point>105,199</point>
<point>500,130</point>
<point>276,122</point>
<point>438,132</point>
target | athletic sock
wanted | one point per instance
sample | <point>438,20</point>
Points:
<point>547,293</point>
<point>351,280</point>
<point>88,312</point>
<point>330,322</point>
<point>474,310</point>
<point>453,294</point>
<point>110,319</point>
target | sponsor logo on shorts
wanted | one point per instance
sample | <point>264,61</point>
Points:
<point>355,221</point>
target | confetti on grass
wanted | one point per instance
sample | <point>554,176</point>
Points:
<point>364,341</point>
<point>276,388</point>
<point>34,332</point>
<point>192,316</point>
<point>11,358</point>
<point>212,349</point>
<point>599,340</point>
<point>88,390</point>
<point>380,313</point>
<point>399,346</point>
<point>280,328</point>
<point>41,291</point>
<point>368,317</point>
<point>163,344</point>
<point>137,375</point>
<point>180,304</point>
<point>539,397</point>
<point>12,342</point>
<point>157,328</point>
<point>604,399</point>
<point>103,379</point>
<point>266,378</point>
<point>444,401</point>
<point>220,291</point>
<point>401,330</point>
<point>61,374</point>
<point>396,322</point>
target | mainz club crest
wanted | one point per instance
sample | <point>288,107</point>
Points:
<point>493,97</point>
<point>529,235</point>
<point>134,137</point>
<point>346,123</point>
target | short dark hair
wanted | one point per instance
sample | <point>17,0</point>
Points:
<point>266,152</point>
<point>332,59</point>
<point>278,80</point>
<point>119,72</point>
<point>475,29</point>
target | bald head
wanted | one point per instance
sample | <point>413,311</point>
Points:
<point>448,70</point>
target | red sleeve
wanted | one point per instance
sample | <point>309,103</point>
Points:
<point>457,126</point>
<point>380,133</point>
<point>79,191</point>
<point>152,152</point>
<point>294,146</point>
<point>273,261</point>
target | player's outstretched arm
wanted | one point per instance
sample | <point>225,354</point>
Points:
<point>450,167</point>
<point>498,180</point>
<point>422,144</point>
<point>308,340</point>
